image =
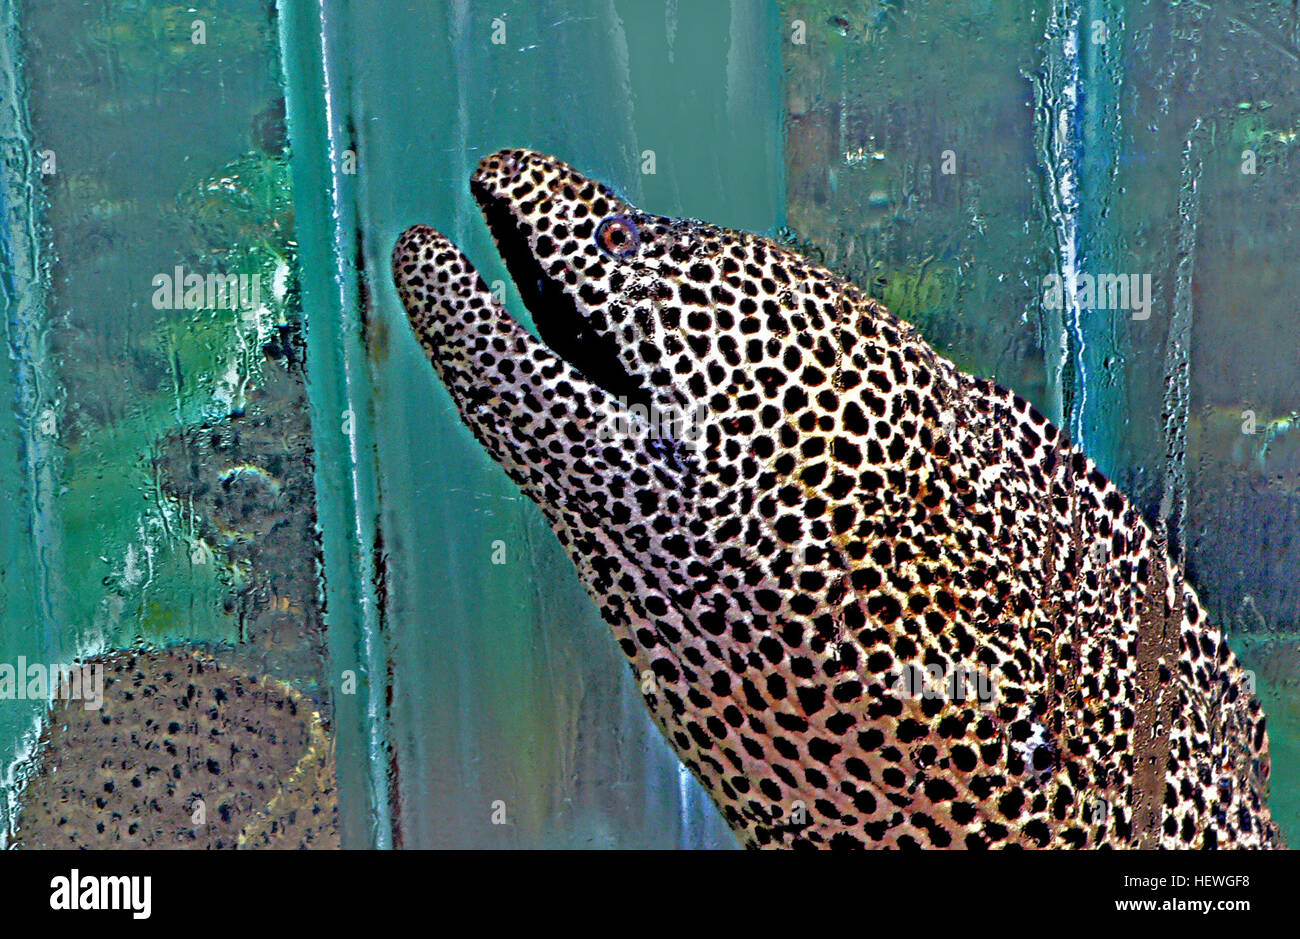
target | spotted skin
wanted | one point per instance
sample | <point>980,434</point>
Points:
<point>857,518</point>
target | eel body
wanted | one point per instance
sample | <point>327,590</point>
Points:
<point>869,599</point>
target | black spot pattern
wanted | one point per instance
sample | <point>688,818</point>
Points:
<point>858,515</point>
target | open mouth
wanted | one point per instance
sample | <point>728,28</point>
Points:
<point>562,327</point>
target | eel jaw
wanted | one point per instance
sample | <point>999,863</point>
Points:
<point>559,322</point>
<point>496,372</point>
<point>513,391</point>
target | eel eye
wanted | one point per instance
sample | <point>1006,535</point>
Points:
<point>617,237</point>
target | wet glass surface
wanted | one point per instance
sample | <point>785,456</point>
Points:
<point>952,156</point>
<point>253,507</point>
<point>165,482</point>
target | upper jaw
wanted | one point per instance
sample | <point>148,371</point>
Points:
<point>562,324</point>
<point>501,173</point>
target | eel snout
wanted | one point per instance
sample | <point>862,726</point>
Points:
<point>511,389</point>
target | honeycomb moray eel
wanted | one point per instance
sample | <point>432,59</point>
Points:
<point>869,599</point>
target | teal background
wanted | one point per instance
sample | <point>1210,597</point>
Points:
<point>348,543</point>
<point>494,682</point>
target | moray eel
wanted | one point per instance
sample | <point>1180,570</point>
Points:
<point>870,600</point>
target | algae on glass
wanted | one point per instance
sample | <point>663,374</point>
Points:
<point>174,504</point>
